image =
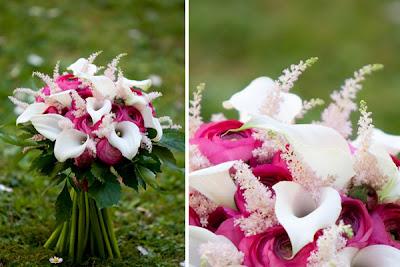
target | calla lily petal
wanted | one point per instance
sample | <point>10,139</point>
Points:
<point>103,86</point>
<point>331,159</point>
<point>82,68</point>
<point>250,100</point>
<point>377,255</point>
<point>390,142</point>
<point>30,111</point>
<point>128,142</point>
<point>385,163</point>
<point>48,125</point>
<point>144,85</point>
<point>391,191</point>
<point>97,108</point>
<point>199,236</point>
<point>346,256</point>
<point>70,143</point>
<point>215,183</point>
<point>151,122</point>
<point>64,97</point>
<point>301,217</point>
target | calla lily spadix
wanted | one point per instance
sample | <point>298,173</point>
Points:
<point>250,100</point>
<point>300,216</point>
<point>215,183</point>
<point>126,137</point>
<point>390,142</point>
<point>70,143</point>
<point>331,159</point>
<point>82,68</point>
<point>30,111</point>
<point>199,236</point>
<point>97,108</point>
<point>50,125</point>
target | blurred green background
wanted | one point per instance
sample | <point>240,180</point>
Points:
<point>33,36</point>
<point>233,42</point>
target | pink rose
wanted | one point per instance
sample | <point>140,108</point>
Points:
<point>231,231</point>
<point>386,222</point>
<point>85,124</point>
<point>129,113</point>
<point>107,153</point>
<point>273,248</point>
<point>356,214</point>
<point>219,146</point>
<point>193,217</point>
<point>218,216</point>
<point>84,160</point>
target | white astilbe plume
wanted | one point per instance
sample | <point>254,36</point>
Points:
<point>201,205</point>
<point>266,151</point>
<point>329,245</point>
<point>308,105</point>
<point>259,200</point>
<point>112,66</point>
<point>216,117</point>
<point>80,104</point>
<point>26,91</point>
<point>49,82</point>
<point>337,114</point>
<point>218,254</point>
<point>284,83</point>
<point>366,165</point>
<point>106,126</point>
<point>146,143</point>
<point>167,123</point>
<point>197,160</point>
<point>93,57</point>
<point>153,95</point>
<point>19,103</point>
<point>195,119</point>
<point>56,71</point>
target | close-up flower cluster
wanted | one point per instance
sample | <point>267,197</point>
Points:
<point>267,191</point>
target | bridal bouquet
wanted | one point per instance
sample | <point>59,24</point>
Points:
<point>267,191</point>
<point>93,133</point>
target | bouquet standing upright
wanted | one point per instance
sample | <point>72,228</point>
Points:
<point>266,191</point>
<point>94,133</point>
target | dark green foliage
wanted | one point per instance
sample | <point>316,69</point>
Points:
<point>63,205</point>
<point>173,139</point>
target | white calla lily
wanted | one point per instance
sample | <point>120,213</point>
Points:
<point>332,158</point>
<point>391,190</point>
<point>97,108</point>
<point>49,125</point>
<point>32,110</point>
<point>70,143</point>
<point>199,236</point>
<point>64,97</point>
<point>346,256</point>
<point>125,92</point>
<point>250,100</point>
<point>103,86</point>
<point>215,183</point>
<point>385,163</point>
<point>300,216</point>
<point>144,85</point>
<point>82,68</point>
<point>377,255</point>
<point>390,142</point>
<point>126,138</point>
<point>150,121</point>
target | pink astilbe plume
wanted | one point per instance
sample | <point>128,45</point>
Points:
<point>337,114</point>
<point>308,105</point>
<point>366,165</point>
<point>195,119</point>
<point>218,254</point>
<point>201,205</point>
<point>329,245</point>
<point>112,66</point>
<point>197,160</point>
<point>259,200</point>
<point>284,83</point>
<point>49,82</point>
<point>266,151</point>
<point>167,123</point>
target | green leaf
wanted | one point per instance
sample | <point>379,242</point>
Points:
<point>164,154</point>
<point>46,164</point>
<point>105,194</point>
<point>173,139</point>
<point>148,160</point>
<point>145,176</point>
<point>102,172</point>
<point>63,205</point>
<point>13,140</point>
<point>151,133</point>
<point>127,172</point>
<point>359,192</point>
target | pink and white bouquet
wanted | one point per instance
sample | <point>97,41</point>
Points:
<point>93,133</point>
<point>267,191</point>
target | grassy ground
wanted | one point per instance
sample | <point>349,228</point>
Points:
<point>232,42</point>
<point>151,32</point>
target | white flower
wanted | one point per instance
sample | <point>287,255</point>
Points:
<point>83,68</point>
<point>126,137</point>
<point>30,111</point>
<point>55,260</point>
<point>371,256</point>
<point>97,108</point>
<point>390,142</point>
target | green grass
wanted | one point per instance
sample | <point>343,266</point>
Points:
<point>233,42</point>
<point>152,33</point>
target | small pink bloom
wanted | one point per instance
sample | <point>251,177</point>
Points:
<point>51,109</point>
<point>386,222</point>
<point>230,231</point>
<point>84,160</point>
<point>85,124</point>
<point>219,146</point>
<point>273,248</point>
<point>218,216</point>
<point>129,113</point>
<point>68,82</point>
<point>107,153</point>
<point>193,217</point>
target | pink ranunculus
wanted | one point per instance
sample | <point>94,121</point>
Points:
<point>231,231</point>
<point>129,113</point>
<point>51,110</point>
<point>218,216</point>
<point>273,248</point>
<point>107,153</point>
<point>85,124</point>
<point>68,82</point>
<point>241,202</point>
<point>219,146</point>
<point>84,160</point>
<point>193,217</point>
<point>356,214</point>
<point>386,222</point>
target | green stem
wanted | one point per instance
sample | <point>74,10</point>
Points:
<point>60,242</point>
<point>110,230</point>
<point>96,228</point>
<point>105,235</point>
<point>86,218</point>
<point>71,252</point>
<point>50,243</point>
<point>81,228</point>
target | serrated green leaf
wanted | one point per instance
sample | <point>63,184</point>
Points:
<point>127,172</point>
<point>13,140</point>
<point>63,205</point>
<point>150,161</point>
<point>102,172</point>
<point>145,176</point>
<point>105,194</point>
<point>164,154</point>
<point>173,139</point>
